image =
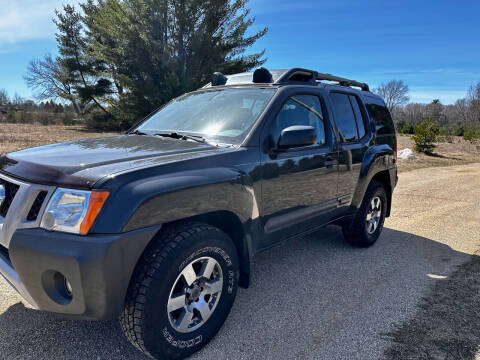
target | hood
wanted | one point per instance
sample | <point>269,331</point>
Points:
<point>83,162</point>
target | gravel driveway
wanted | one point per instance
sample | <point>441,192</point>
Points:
<point>314,298</point>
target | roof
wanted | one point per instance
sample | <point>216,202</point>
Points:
<point>295,76</point>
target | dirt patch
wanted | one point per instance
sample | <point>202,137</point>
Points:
<point>20,136</point>
<point>446,323</point>
<point>458,152</point>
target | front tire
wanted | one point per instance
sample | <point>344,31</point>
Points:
<point>365,228</point>
<point>181,292</point>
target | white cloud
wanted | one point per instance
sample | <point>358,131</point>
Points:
<point>22,20</point>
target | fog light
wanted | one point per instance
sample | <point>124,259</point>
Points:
<point>68,287</point>
<point>57,287</point>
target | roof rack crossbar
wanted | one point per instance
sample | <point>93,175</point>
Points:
<point>343,81</point>
<point>305,75</point>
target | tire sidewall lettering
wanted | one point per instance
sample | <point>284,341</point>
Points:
<point>181,344</point>
<point>230,282</point>
<point>209,249</point>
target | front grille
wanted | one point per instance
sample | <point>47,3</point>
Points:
<point>10,192</point>
<point>37,205</point>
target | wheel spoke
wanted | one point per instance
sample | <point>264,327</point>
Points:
<point>184,320</point>
<point>207,268</point>
<point>189,274</point>
<point>370,225</point>
<point>199,281</point>
<point>214,286</point>
<point>175,303</point>
<point>204,311</point>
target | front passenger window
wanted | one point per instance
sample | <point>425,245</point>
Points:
<point>301,110</point>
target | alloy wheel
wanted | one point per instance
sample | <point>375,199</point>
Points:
<point>374,215</point>
<point>195,294</point>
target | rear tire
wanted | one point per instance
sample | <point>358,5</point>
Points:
<point>164,316</point>
<point>365,228</point>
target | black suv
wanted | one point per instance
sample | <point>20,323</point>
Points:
<point>160,226</point>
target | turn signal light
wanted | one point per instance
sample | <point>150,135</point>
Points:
<point>97,199</point>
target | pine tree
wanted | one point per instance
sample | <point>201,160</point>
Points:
<point>82,71</point>
<point>153,50</point>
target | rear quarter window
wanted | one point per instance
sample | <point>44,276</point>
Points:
<point>380,116</point>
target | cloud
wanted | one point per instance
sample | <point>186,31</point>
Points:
<point>24,20</point>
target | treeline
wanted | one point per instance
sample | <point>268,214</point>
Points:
<point>121,59</point>
<point>459,119</point>
<point>18,110</point>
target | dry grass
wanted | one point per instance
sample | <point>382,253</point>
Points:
<point>446,323</point>
<point>458,152</point>
<point>19,136</point>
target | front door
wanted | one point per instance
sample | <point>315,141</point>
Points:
<point>299,185</point>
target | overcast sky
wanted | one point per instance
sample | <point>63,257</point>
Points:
<point>430,44</point>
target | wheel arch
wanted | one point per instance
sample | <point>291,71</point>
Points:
<point>383,177</point>
<point>378,166</point>
<point>230,224</point>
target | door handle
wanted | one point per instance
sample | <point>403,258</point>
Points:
<point>329,162</point>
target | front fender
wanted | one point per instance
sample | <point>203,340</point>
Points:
<point>377,158</point>
<point>170,197</point>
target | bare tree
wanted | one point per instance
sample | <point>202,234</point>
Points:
<point>394,93</point>
<point>49,82</point>
<point>461,111</point>
<point>4,99</point>
<point>473,99</point>
<point>413,112</point>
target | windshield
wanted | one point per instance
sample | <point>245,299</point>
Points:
<point>223,115</point>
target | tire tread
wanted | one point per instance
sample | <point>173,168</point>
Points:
<point>157,252</point>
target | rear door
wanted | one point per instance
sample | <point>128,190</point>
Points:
<point>299,185</point>
<point>350,119</point>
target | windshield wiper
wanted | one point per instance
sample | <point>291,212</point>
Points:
<point>137,132</point>
<point>175,135</point>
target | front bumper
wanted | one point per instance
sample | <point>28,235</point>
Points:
<point>98,267</point>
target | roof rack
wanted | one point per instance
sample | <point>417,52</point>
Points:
<point>311,76</point>
<point>342,81</point>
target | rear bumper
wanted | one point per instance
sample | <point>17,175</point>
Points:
<point>98,267</point>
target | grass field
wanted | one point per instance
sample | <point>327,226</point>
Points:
<point>21,136</point>
<point>18,136</point>
<point>458,152</point>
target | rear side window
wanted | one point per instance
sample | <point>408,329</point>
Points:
<point>344,117</point>
<point>380,115</point>
<point>358,116</point>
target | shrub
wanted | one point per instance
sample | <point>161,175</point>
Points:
<point>447,133</point>
<point>97,120</point>
<point>405,127</point>
<point>471,135</point>
<point>426,135</point>
<point>68,118</point>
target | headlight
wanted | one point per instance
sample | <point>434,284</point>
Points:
<point>73,211</point>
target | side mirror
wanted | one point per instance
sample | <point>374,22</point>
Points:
<point>297,136</point>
